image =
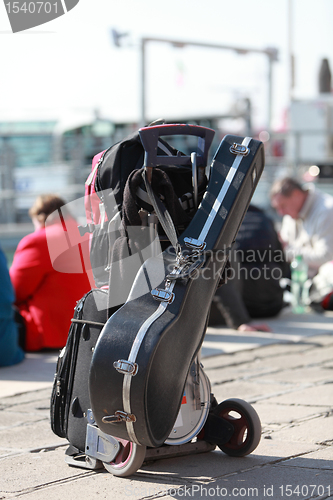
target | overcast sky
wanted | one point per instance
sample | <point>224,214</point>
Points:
<point>71,65</point>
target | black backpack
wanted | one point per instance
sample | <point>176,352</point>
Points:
<point>107,216</point>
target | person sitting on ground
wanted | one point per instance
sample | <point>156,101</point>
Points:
<point>253,289</point>
<point>10,351</point>
<point>48,275</point>
<point>307,222</point>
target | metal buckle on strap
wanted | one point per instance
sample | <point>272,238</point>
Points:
<point>193,243</point>
<point>239,149</point>
<point>163,295</point>
<point>190,270</point>
<point>119,416</point>
<point>126,367</point>
<point>88,228</point>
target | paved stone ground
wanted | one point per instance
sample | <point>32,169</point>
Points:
<point>291,387</point>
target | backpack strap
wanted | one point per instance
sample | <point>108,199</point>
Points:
<point>163,215</point>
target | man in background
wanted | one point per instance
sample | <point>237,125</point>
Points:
<point>307,230</point>
<point>307,224</point>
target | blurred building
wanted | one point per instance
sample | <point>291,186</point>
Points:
<point>311,141</point>
<point>38,156</point>
<point>42,156</point>
<point>55,155</point>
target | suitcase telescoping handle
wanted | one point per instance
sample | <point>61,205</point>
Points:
<point>149,137</point>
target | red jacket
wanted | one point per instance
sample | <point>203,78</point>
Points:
<point>49,278</point>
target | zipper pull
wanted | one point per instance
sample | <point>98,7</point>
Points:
<point>79,306</point>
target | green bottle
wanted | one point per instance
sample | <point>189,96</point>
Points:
<point>299,275</point>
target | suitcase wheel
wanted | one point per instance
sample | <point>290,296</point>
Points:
<point>128,460</point>
<point>247,427</point>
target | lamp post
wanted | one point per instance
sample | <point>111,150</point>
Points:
<point>271,53</point>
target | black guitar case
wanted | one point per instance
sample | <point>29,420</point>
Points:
<point>143,355</point>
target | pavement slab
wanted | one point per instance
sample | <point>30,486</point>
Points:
<point>298,375</point>
<point>23,472</point>
<point>34,373</point>
<point>316,430</point>
<point>308,393</point>
<point>322,458</point>
<point>25,437</point>
<point>279,414</point>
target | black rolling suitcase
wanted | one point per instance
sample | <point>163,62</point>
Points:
<point>70,402</point>
<point>143,355</point>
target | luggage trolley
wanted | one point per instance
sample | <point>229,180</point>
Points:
<point>201,424</point>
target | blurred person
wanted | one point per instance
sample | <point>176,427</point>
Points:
<point>306,228</point>
<point>46,288</point>
<point>253,289</point>
<point>10,350</point>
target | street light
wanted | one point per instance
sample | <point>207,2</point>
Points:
<point>270,52</point>
<point>116,37</point>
